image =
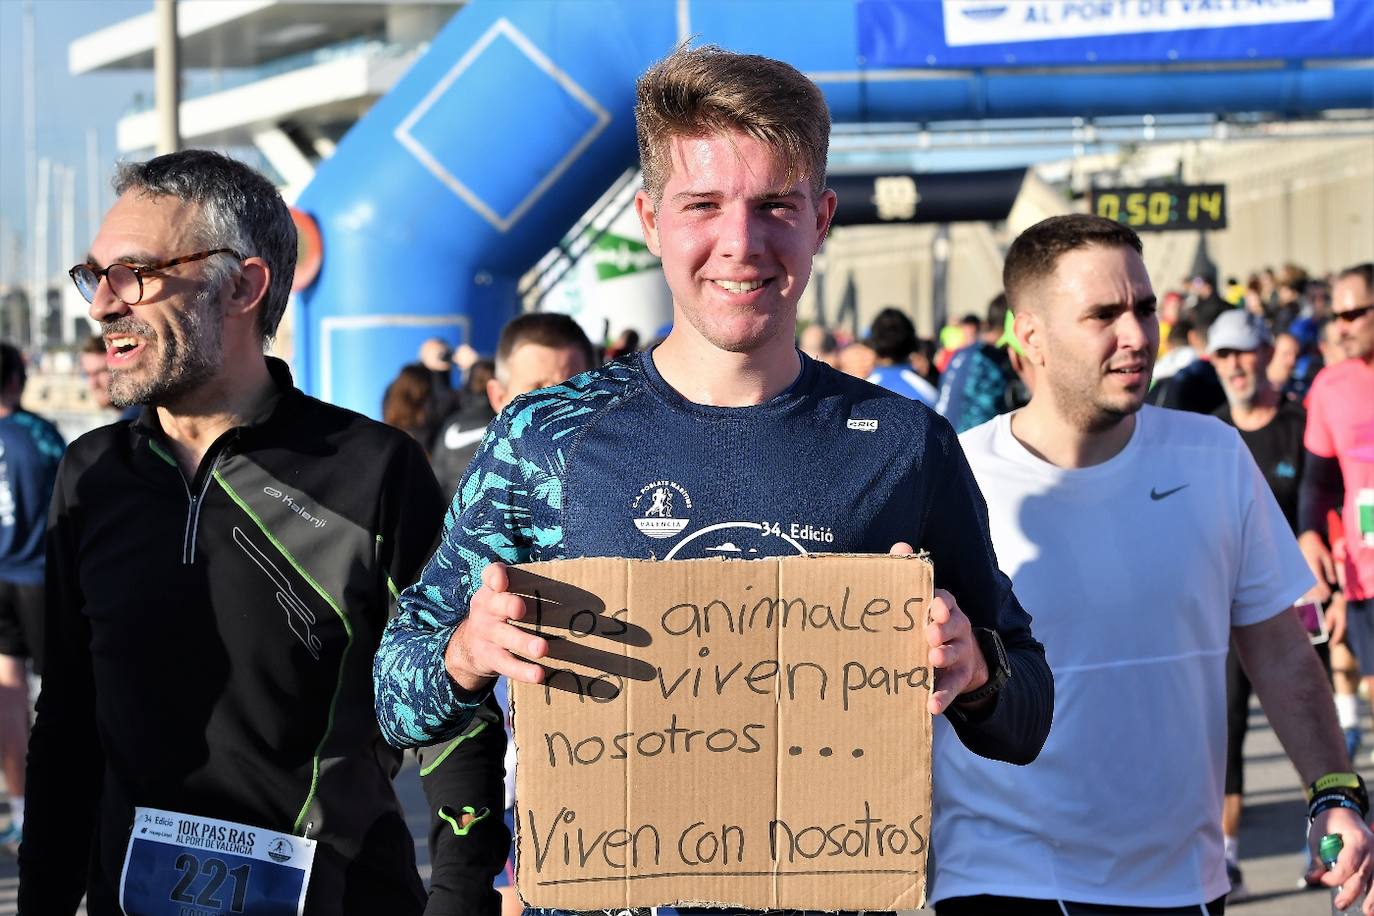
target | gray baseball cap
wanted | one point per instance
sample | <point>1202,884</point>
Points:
<point>1237,329</point>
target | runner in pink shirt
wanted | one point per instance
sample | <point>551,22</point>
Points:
<point>1340,438</point>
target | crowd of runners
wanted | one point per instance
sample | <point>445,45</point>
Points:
<point>247,603</point>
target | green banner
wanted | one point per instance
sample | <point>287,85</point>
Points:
<point>617,256</point>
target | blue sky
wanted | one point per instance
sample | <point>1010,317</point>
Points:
<point>66,105</point>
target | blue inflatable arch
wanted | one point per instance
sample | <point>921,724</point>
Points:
<point>520,116</point>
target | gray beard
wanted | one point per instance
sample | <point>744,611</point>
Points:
<point>182,364</point>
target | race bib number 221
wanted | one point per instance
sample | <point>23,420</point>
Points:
<point>186,865</point>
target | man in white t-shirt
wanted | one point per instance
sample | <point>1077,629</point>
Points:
<point>1141,540</point>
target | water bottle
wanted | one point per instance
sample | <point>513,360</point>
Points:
<point>1329,850</point>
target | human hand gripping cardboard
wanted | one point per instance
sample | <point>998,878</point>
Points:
<point>488,644</point>
<point>954,654</point>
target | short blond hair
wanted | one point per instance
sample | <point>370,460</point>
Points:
<point>700,92</point>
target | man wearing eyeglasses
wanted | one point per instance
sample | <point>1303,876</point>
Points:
<point>219,572</point>
<point>1339,467</point>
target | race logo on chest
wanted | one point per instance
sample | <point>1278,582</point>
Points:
<point>662,509</point>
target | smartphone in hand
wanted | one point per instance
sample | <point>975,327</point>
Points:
<point>1313,620</point>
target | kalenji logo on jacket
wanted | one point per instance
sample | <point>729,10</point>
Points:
<point>295,506</point>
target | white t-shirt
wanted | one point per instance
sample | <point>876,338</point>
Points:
<point>1135,571</point>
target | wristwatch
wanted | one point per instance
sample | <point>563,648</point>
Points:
<point>999,671</point>
<point>1338,790</point>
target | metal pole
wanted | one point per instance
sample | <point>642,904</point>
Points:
<point>30,148</point>
<point>5,266</point>
<point>939,278</point>
<point>69,255</point>
<point>93,208</point>
<point>38,304</point>
<point>68,188</point>
<point>167,78</point>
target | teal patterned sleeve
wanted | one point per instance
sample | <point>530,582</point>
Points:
<point>491,519</point>
<point>508,508</point>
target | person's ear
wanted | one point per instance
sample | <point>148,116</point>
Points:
<point>648,221</point>
<point>1028,331</point>
<point>496,395</point>
<point>825,213</point>
<point>247,289</point>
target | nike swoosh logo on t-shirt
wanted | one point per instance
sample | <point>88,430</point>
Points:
<point>1157,496</point>
<point>455,438</point>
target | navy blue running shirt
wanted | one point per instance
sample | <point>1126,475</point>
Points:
<point>616,463</point>
<point>30,450</point>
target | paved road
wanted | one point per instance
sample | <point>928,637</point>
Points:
<point>1271,837</point>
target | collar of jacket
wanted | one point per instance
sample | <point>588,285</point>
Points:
<point>148,424</point>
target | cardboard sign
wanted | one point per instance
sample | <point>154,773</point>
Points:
<point>740,733</point>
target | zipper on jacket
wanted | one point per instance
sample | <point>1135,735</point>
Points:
<point>195,498</point>
<point>188,544</point>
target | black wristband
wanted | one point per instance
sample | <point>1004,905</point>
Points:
<point>1330,800</point>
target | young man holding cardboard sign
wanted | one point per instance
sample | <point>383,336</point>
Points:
<point>718,443</point>
<point>1145,540</point>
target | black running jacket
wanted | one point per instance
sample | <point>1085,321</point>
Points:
<point>210,646</point>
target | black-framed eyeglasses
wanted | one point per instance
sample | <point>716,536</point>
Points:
<point>1353,315</point>
<point>126,280</point>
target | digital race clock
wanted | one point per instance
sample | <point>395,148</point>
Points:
<point>1163,208</point>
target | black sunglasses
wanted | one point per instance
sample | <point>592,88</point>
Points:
<point>1354,314</point>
